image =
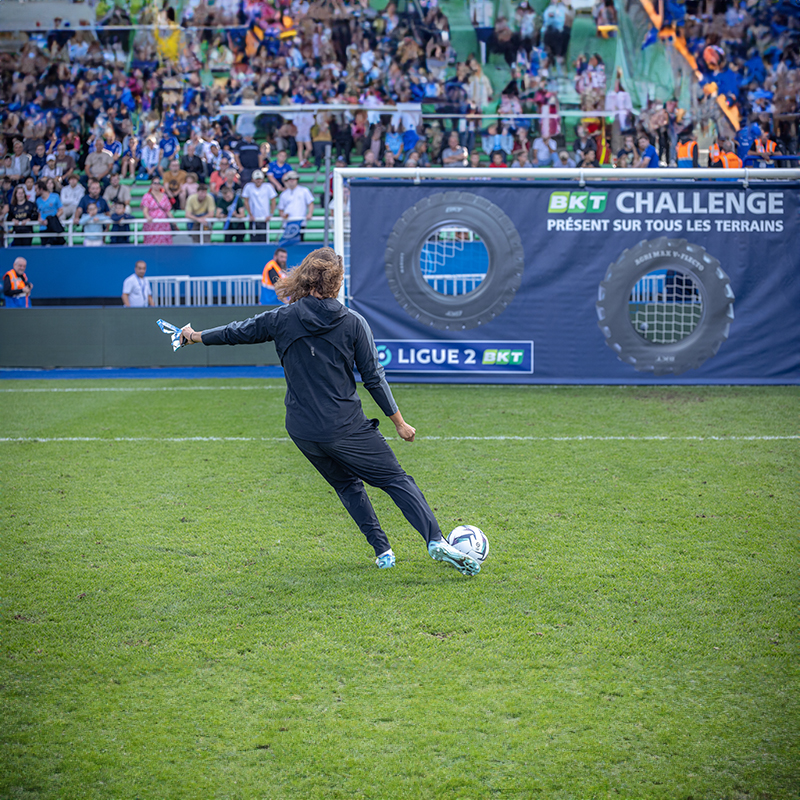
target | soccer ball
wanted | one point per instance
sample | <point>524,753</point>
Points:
<point>470,540</point>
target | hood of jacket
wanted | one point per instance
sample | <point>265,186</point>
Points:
<point>320,316</point>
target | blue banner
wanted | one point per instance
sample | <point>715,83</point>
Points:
<point>613,282</point>
<point>72,272</point>
<point>432,356</point>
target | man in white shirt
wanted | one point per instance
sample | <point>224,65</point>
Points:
<point>296,207</point>
<point>71,195</point>
<point>259,201</point>
<point>136,289</point>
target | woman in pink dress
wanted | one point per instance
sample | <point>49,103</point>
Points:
<point>156,206</point>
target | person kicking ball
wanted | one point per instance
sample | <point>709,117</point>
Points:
<point>319,342</point>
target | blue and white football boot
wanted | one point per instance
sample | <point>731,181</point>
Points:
<point>385,560</point>
<point>441,550</point>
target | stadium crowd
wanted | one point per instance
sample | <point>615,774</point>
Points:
<point>84,118</point>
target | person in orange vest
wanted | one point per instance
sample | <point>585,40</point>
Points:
<point>728,158</point>
<point>687,150</point>
<point>715,150</point>
<point>764,147</point>
<point>16,286</point>
<point>274,270</point>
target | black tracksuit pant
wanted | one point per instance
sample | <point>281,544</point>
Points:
<point>364,455</point>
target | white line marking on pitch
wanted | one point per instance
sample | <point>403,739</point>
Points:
<point>181,439</point>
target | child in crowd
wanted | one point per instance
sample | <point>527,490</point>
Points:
<point>120,222</point>
<point>94,225</point>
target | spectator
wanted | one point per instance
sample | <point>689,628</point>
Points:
<point>120,224</point>
<point>71,195</point>
<point>50,213</point>
<point>201,210</point>
<point>30,188</point>
<point>498,160</point>
<point>646,157</point>
<point>556,32</point>
<point>521,161</point>
<point>150,160</point>
<point>16,286</point>
<point>113,148</point>
<point>136,291</point>
<point>92,197</point>
<point>188,189</point>
<point>248,157</point>
<point>191,162</point>
<point>277,170</point>
<point>94,225</point>
<point>20,163</point>
<point>420,152</point>
<point>99,164</point>
<point>479,88</point>
<point>565,160</point>
<point>117,192</point>
<point>296,207</point>
<point>259,201</point>
<point>231,210</point>
<point>454,155</point>
<point>321,138</point>
<point>589,159</point>
<point>627,153</point>
<point>174,178</point>
<point>217,177</point>
<point>493,140</point>
<point>38,161</point>
<point>52,170</point>
<point>65,163</point>
<point>22,213</point>
<point>583,143</point>
<point>285,137</point>
<point>546,149</point>
<point>169,147</point>
<point>157,209</point>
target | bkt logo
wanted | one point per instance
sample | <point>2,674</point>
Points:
<point>503,356</point>
<point>577,202</point>
<point>384,355</point>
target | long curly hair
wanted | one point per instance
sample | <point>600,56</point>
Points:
<point>321,271</point>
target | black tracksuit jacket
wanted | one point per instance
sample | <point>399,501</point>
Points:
<point>319,342</point>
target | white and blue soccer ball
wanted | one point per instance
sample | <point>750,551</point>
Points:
<point>470,540</point>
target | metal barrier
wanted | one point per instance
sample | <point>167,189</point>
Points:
<point>216,290</point>
<point>179,229</point>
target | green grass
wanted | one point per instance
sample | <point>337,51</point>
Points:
<point>201,619</point>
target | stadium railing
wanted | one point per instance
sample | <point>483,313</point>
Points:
<point>222,290</point>
<point>179,228</point>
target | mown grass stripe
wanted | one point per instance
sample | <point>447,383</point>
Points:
<point>46,440</point>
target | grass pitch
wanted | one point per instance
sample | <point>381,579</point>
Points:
<point>188,612</point>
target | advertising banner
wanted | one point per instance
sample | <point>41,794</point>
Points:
<point>519,281</point>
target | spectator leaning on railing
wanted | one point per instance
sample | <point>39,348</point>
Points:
<point>259,201</point>
<point>201,210</point>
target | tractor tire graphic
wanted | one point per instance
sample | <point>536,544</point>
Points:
<point>665,306</point>
<point>490,297</point>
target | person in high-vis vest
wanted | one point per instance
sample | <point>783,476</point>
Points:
<point>714,151</point>
<point>16,286</point>
<point>687,150</point>
<point>728,159</point>
<point>764,147</point>
<point>274,270</point>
